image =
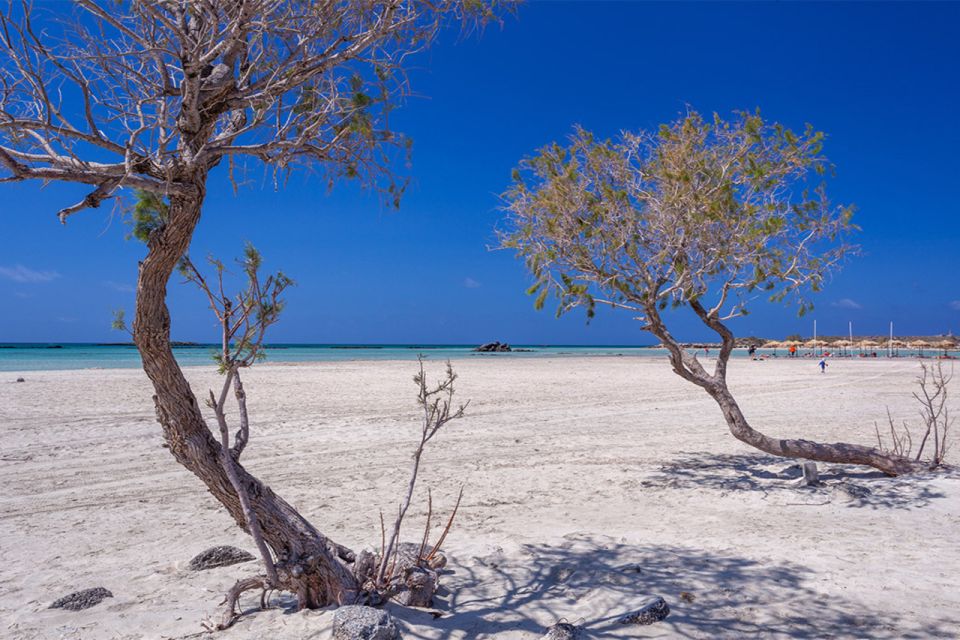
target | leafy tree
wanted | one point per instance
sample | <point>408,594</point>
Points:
<point>153,96</point>
<point>702,215</point>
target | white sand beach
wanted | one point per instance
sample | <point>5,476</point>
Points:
<point>590,485</point>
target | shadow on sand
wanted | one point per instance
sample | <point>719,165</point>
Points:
<point>517,596</point>
<point>854,485</point>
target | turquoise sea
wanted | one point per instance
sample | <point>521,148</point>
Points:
<point>42,356</point>
<point>49,356</point>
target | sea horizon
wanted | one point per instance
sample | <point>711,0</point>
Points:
<point>45,356</point>
<point>50,356</point>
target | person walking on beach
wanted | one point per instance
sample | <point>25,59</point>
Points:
<point>823,365</point>
<point>793,351</point>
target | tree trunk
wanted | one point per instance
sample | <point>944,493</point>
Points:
<point>688,367</point>
<point>839,452</point>
<point>310,565</point>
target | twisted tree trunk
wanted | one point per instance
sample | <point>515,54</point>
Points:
<point>837,452</point>
<point>688,367</point>
<point>308,564</point>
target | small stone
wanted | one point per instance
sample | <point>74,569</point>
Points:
<point>20,380</point>
<point>654,611</point>
<point>355,622</point>
<point>792,471</point>
<point>810,476</point>
<point>853,490</point>
<point>222,556</point>
<point>419,586</point>
<point>563,631</point>
<point>82,599</point>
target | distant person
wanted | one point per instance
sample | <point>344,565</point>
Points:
<point>751,351</point>
<point>823,365</point>
<point>793,351</point>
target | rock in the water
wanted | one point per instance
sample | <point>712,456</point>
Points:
<point>563,631</point>
<point>82,599</point>
<point>494,347</point>
<point>222,556</point>
<point>654,611</point>
<point>355,622</point>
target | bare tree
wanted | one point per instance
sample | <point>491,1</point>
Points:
<point>701,215</point>
<point>936,420</point>
<point>153,95</point>
<point>438,409</point>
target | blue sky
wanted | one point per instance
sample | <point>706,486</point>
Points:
<point>883,80</point>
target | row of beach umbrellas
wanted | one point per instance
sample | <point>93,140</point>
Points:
<point>919,345</point>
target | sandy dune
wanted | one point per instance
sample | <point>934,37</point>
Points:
<point>591,484</point>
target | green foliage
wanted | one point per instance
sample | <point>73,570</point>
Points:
<point>119,320</point>
<point>703,213</point>
<point>149,213</point>
<point>246,315</point>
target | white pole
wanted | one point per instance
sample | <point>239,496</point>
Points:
<point>850,328</point>
<point>814,337</point>
<point>890,344</point>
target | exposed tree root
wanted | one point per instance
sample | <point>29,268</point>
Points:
<point>231,601</point>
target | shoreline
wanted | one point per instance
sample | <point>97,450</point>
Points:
<point>350,355</point>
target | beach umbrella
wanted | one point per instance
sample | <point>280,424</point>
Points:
<point>946,345</point>
<point>843,344</point>
<point>868,343</point>
<point>920,345</point>
<point>786,344</point>
<point>773,344</point>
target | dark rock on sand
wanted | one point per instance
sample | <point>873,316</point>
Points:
<point>420,578</point>
<point>854,491</point>
<point>418,588</point>
<point>80,600</point>
<point>792,471</point>
<point>811,477</point>
<point>654,611</point>
<point>20,380</point>
<point>563,631</point>
<point>222,556</point>
<point>355,622</point>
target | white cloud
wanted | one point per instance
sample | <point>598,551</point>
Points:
<point>847,303</point>
<point>119,286</point>
<point>470,283</point>
<point>20,273</point>
<point>955,305</point>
